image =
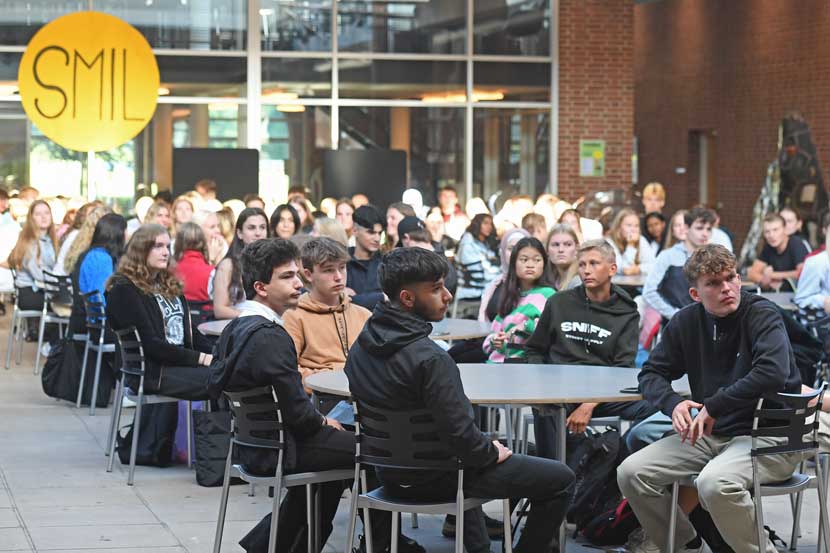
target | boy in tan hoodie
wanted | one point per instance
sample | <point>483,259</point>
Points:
<point>325,323</point>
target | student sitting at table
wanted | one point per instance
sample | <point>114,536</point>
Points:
<point>734,348</point>
<point>251,226</point>
<point>255,350</point>
<point>563,242</point>
<point>634,254</point>
<point>781,259</point>
<point>666,289</point>
<point>593,324</point>
<point>394,362</point>
<point>523,295</point>
<point>33,254</point>
<point>325,323</point>
<point>813,291</point>
<point>362,285</point>
<point>492,294</point>
<point>144,293</point>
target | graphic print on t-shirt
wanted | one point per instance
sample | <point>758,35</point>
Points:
<point>173,314</point>
<point>587,332</point>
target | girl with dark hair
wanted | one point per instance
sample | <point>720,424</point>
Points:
<point>144,293</point>
<point>524,292</point>
<point>285,222</point>
<point>654,230</point>
<point>252,225</point>
<point>96,265</point>
<point>477,256</point>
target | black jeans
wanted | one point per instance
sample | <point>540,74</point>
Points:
<point>326,450</point>
<point>179,382</point>
<point>547,484</point>
<point>28,299</point>
<point>545,425</point>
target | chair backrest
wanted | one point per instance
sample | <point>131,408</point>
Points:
<point>401,439</point>
<point>793,416</point>
<point>257,421</point>
<point>96,314</point>
<point>132,352</point>
<point>57,288</point>
<point>471,275</point>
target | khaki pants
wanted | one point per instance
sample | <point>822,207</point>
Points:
<point>724,481</point>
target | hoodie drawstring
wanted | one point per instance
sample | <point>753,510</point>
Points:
<point>342,333</point>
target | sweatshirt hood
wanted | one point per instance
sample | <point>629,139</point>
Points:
<point>620,303</point>
<point>391,329</point>
<point>306,303</point>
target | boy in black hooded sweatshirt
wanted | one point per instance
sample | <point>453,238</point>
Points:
<point>593,324</point>
<point>734,348</point>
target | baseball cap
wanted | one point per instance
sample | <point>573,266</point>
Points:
<point>367,216</point>
<point>409,224</point>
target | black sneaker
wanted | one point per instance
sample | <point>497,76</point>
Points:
<point>495,528</point>
<point>405,545</point>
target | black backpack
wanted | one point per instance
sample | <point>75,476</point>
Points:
<point>594,458</point>
<point>61,374</point>
<point>613,526</point>
<point>155,440</point>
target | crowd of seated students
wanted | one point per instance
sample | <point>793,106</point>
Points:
<point>345,288</point>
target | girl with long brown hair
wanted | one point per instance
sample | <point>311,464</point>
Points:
<point>634,254</point>
<point>34,253</point>
<point>146,294</point>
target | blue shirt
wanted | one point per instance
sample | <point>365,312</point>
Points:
<point>96,268</point>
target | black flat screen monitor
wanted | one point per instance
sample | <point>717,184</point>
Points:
<point>379,174</point>
<point>235,170</point>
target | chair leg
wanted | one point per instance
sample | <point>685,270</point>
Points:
<point>251,491</point>
<point>367,519</point>
<point>12,331</point>
<point>114,422</point>
<point>393,542</point>
<point>223,503</point>
<point>414,520</point>
<point>40,332</point>
<point>318,518</point>
<point>275,513</point>
<point>352,516</point>
<point>824,459</point>
<point>22,328</point>
<point>189,426</point>
<point>136,429</point>
<point>759,509</point>
<point>459,526</point>
<point>94,398</point>
<point>795,502</point>
<point>309,518</point>
<point>508,534</point>
<point>675,490</point>
<point>822,502</point>
<point>83,374</point>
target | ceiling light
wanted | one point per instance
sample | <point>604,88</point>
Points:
<point>266,11</point>
<point>290,108</point>
<point>163,91</point>
<point>276,95</point>
<point>8,89</point>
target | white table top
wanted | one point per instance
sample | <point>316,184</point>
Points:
<point>521,384</point>
<point>629,280</point>
<point>784,300</point>
<point>448,329</point>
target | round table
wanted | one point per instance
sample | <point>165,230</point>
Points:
<point>527,384</point>
<point>784,300</point>
<point>633,281</point>
<point>448,329</point>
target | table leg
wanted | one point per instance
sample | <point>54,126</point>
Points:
<point>561,446</point>
<point>508,426</point>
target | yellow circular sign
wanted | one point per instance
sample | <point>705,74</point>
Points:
<point>89,81</point>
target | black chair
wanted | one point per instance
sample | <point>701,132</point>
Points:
<point>57,304</point>
<point>133,364</point>
<point>470,277</point>
<point>407,440</point>
<point>257,423</point>
<point>96,324</point>
<point>795,418</point>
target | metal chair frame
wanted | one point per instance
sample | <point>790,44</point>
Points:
<point>406,440</point>
<point>468,277</point>
<point>133,363</point>
<point>96,324</point>
<point>57,290</point>
<point>15,328</point>
<point>794,421</point>
<point>252,428</point>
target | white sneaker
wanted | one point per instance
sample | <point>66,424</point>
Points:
<point>45,349</point>
<point>127,403</point>
<point>638,542</point>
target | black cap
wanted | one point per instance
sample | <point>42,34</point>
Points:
<point>367,216</point>
<point>409,224</point>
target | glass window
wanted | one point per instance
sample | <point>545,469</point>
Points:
<point>510,151</point>
<point>211,76</point>
<point>512,27</point>
<point>293,141</point>
<point>432,137</point>
<point>428,27</point>
<point>291,78</point>
<point>416,80</point>
<point>525,82</point>
<point>14,128</point>
<point>302,25</point>
<point>193,25</point>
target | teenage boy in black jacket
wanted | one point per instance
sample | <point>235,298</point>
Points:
<point>362,275</point>
<point>255,350</point>
<point>595,323</point>
<point>734,348</point>
<point>394,362</point>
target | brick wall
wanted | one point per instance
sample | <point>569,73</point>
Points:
<point>732,68</point>
<point>596,90</point>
